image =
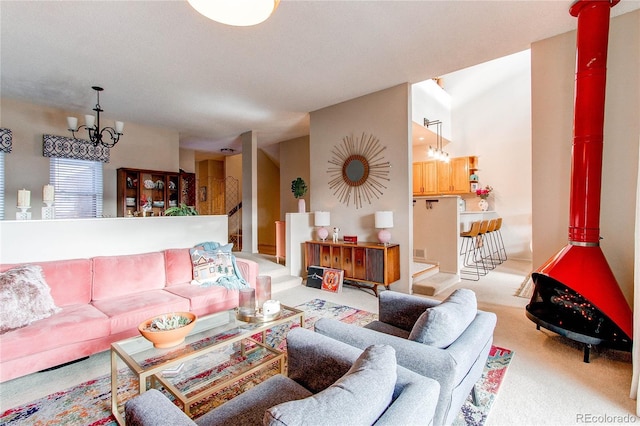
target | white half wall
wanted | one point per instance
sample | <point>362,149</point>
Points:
<point>42,240</point>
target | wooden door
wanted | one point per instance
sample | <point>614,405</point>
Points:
<point>418,179</point>
<point>430,177</point>
<point>444,178</point>
<point>460,174</point>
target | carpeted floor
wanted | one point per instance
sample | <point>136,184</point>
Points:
<point>89,402</point>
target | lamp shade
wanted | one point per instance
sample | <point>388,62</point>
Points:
<point>384,219</point>
<point>322,219</point>
<point>239,13</point>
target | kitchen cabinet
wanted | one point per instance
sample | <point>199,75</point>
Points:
<point>152,191</point>
<point>425,178</point>
<point>371,264</point>
<point>435,177</point>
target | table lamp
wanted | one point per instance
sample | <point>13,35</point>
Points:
<point>384,220</point>
<point>322,219</point>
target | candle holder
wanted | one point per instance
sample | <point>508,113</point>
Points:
<point>23,214</point>
<point>48,212</point>
<point>263,290</point>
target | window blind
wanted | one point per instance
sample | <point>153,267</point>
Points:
<point>78,188</point>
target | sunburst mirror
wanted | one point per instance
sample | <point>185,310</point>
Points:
<point>358,170</point>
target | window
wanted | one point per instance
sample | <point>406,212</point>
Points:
<point>78,185</point>
<point>1,185</point>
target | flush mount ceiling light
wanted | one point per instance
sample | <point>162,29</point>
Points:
<point>92,124</point>
<point>239,13</point>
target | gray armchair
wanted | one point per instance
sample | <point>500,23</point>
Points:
<point>451,347</point>
<point>329,382</point>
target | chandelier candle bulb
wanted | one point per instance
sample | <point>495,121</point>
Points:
<point>89,120</point>
<point>48,194</point>
<point>72,123</point>
<point>119,126</point>
<point>24,198</point>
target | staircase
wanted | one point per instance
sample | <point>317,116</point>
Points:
<point>280,278</point>
<point>429,281</point>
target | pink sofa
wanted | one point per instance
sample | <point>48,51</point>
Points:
<point>103,299</point>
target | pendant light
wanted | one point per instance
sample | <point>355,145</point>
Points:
<point>239,13</point>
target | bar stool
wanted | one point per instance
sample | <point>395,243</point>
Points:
<point>471,255</point>
<point>494,256</point>
<point>484,246</point>
<point>499,240</point>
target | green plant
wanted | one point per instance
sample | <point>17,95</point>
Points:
<point>181,210</point>
<point>298,187</point>
<point>168,322</point>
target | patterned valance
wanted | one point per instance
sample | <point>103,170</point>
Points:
<point>5,140</point>
<point>77,149</point>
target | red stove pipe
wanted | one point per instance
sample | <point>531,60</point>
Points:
<point>581,265</point>
<point>591,73</point>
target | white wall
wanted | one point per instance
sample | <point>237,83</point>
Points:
<point>294,163</point>
<point>491,116</point>
<point>553,76</point>
<point>384,114</point>
<point>42,240</point>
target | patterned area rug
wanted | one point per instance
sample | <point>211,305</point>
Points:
<point>89,402</point>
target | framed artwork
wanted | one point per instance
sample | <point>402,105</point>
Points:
<point>475,186</point>
<point>203,193</point>
<point>314,276</point>
<point>332,280</point>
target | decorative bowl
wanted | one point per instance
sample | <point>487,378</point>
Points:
<point>167,338</point>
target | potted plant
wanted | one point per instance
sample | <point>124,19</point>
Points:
<point>299,188</point>
<point>181,210</point>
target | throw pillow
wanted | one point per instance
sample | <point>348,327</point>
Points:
<point>25,297</point>
<point>441,325</point>
<point>357,398</point>
<point>209,266</point>
<point>214,264</point>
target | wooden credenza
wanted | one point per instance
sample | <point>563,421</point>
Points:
<point>371,264</point>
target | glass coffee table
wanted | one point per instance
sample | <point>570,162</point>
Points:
<point>217,339</point>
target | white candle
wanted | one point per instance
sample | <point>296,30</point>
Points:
<point>48,194</point>
<point>270,307</point>
<point>24,198</point>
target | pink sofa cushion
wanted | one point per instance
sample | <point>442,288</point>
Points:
<point>128,311</point>
<point>115,276</point>
<point>178,267</point>
<point>73,323</point>
<point>69,280</point>
<point>206,300</point>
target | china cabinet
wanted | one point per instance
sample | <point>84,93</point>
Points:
<point>151,192</point>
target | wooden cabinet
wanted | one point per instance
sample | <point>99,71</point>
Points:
<point>436,177</point>
<point>152,192</point>
<point>425,178</point>
<point>372,264</point>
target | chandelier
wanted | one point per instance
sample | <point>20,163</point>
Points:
<point>239,13</point>
<point>438,153</point>
<point>92,124</point>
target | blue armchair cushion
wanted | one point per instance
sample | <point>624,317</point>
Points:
<point>357,398</point>
<point>440,325</point>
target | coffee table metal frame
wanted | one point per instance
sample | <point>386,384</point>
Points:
<point>151,374</point>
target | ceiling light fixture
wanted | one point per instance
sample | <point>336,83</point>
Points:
<point>92,124</point>
<point>438,153</point>
<point>239,13</point>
